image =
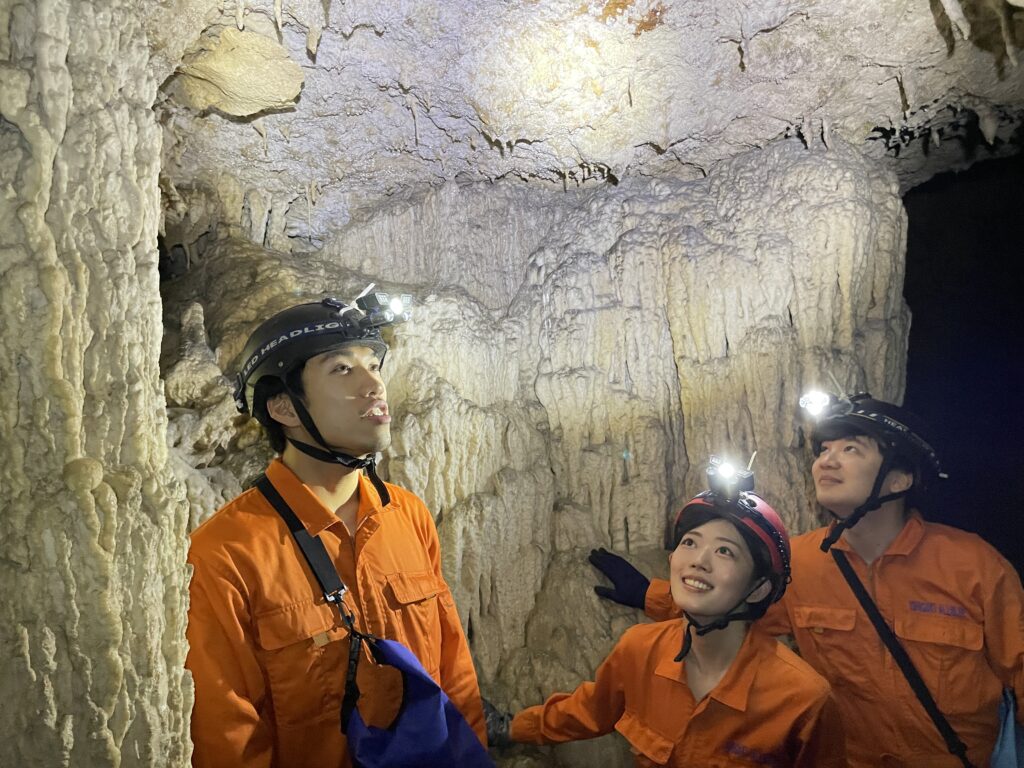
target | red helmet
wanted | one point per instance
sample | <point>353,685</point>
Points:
<point>760,526</point>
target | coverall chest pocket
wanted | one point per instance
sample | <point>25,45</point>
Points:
<point>413,599</point>
<point>304,657</point>
<point>649,747</point>
<point>825,636</point>
<point>948,653</point>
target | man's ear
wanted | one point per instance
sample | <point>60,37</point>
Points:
<point>899,480</point>
<point>282,410</point>
<point>761,592</point>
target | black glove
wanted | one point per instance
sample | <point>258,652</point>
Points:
<point>630,586</point>
<point>497,722</point>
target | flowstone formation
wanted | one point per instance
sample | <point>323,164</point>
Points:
<point>568,395</point>
<point>637,228</point>
<point>92,577</point>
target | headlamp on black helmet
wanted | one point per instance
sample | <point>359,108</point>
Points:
<point>287,340</point>
<point>893,428</point>
<point>380,309</point>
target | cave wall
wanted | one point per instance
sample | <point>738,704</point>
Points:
<point>568,391</point>
<point>92,544</point>
<point>596,316</point>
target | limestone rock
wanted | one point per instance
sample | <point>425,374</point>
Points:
<point>570,395</point>
<point>92,542</point>
<point>637,231</point>
<point>402,97</point>
<point>244,74</point>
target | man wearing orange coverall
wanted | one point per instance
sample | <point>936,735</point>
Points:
<point>954,603</point>
<point>710,690</point>
<point>267,653</point>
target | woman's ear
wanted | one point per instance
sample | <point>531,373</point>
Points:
<point>282,410</point>
<point>760,592</point>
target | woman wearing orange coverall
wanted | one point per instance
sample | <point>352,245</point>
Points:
<point>953,602</point>
<point>732,696</point>
<point>268,655</point>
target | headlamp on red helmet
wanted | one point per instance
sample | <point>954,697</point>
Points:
<point>726,481</point>
<point>731,497</point>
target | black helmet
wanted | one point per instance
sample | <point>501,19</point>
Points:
<point>897,432</point>
<point>288,339</point>
<point>895,429</point>
<point>291,337</point>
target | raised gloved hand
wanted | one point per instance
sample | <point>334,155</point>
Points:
<point>497,722</point>
<point>630,586</point>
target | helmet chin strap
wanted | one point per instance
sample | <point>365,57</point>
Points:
<point>330,455</point>
<point>873,502</point>
<point>739,612</point>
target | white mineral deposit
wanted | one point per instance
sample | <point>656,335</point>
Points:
<point>635,231</point>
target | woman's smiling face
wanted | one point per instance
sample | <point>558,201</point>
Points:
<point>712,570</point>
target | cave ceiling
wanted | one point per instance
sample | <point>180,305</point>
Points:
<point>331,109</point>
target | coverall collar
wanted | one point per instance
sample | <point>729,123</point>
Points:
<point>733,690</point>
<point>314,516</point>
<point>906,540</point>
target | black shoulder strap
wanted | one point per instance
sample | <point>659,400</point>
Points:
<point>311,546</point>
<point>899,653</point>
<point>330,582</point>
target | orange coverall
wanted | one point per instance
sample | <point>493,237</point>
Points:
<point>771,709</point>
<point>957,607</point>
<point>269,656</point>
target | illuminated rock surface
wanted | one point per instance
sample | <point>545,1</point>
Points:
<point>643,327</point>
<point>636,231</point>
<point>91,536</point>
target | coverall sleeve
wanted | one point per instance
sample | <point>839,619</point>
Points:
<point>227,729</point>
<point>658,603</point>
<point>822,743</point>
<point>1004,629</point>
<point>458,675</point>
<point>591,710</point>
